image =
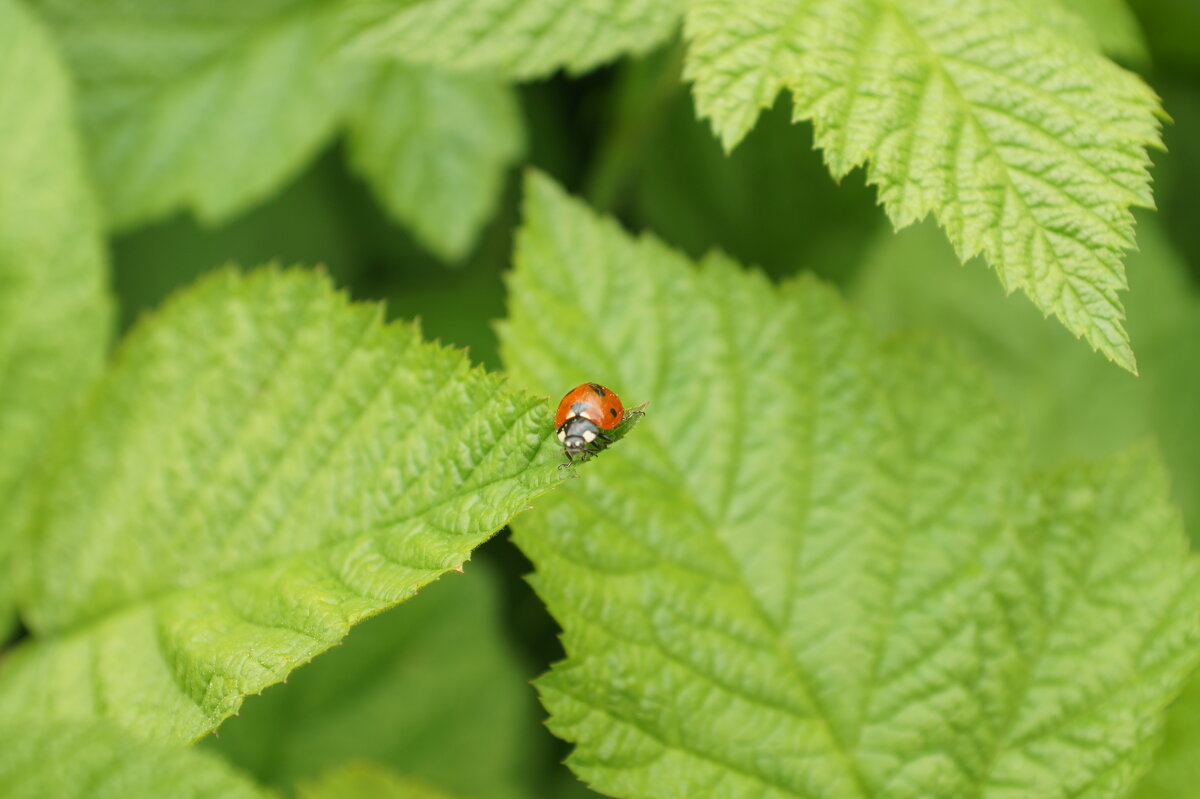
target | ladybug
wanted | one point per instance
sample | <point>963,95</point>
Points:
<point>583,416</point>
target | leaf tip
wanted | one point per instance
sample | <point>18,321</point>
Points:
<point>1121,354</point>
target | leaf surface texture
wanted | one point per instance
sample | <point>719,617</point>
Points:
<point>518,38</point>
<point>264,465</point>
<point>92,761</point>
<point>1025,143</point>
<point>822,546</point>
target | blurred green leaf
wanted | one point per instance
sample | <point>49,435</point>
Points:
<point>55,312</point>
<point>208,106</point>
<point>324,217</point>
<point>1027,146</point>
<point>1106,25</point>
<point>817,570</point>
<point>1074,405</point>
<point>1171,27</point>
<point>1176,770</point>
<point>432,690</point>
<point>1114,26</point>
<point>264,466</point>
<point>212,106</point>
<point>516,38</point>
<point>329,217</point>
<point>40,760</point>
<point>366,780</point>
<point>435,147</point>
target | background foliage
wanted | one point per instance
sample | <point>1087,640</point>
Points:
<point>264,462</point>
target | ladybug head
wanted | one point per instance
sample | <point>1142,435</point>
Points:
<point>578,434</point>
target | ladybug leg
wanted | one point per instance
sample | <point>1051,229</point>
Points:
<point>583,455</point>
<point>599,445</point>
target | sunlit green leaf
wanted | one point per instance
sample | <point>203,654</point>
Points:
<point>54,307</point>
<point>263,466</point>
<point>1114,26</point>
<point>518,38</point>
<point>821,567</point>
<point>1073,405</point>
<point>40,760</point>
<point>1025,145</point>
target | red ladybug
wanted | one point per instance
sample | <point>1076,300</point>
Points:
<point>583,416</point>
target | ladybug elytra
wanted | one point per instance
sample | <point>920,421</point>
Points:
<point>583,416</point>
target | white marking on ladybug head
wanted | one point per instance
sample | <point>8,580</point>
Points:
<point>562,435</point>
<point>589,436</point>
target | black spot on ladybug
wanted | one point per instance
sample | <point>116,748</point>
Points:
<point>600,392</point>
<point>612,411</point>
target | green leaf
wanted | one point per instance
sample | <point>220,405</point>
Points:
<point>769,203</point>
<point>517,38</point>
<point>469,722</point>
<point>206,106</point>
<point>1176,771</point>
<point>1026,146</point>
<point>1073,404</point>
<point>435,147</point>
<point>817,569</point>
<point>1114,26</point>
<point>92,761</point>
<point>263,466</point>
<point>1106,25</point>
<point>54,307</point>
<point>366,780</point>
<point>211,108</point>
